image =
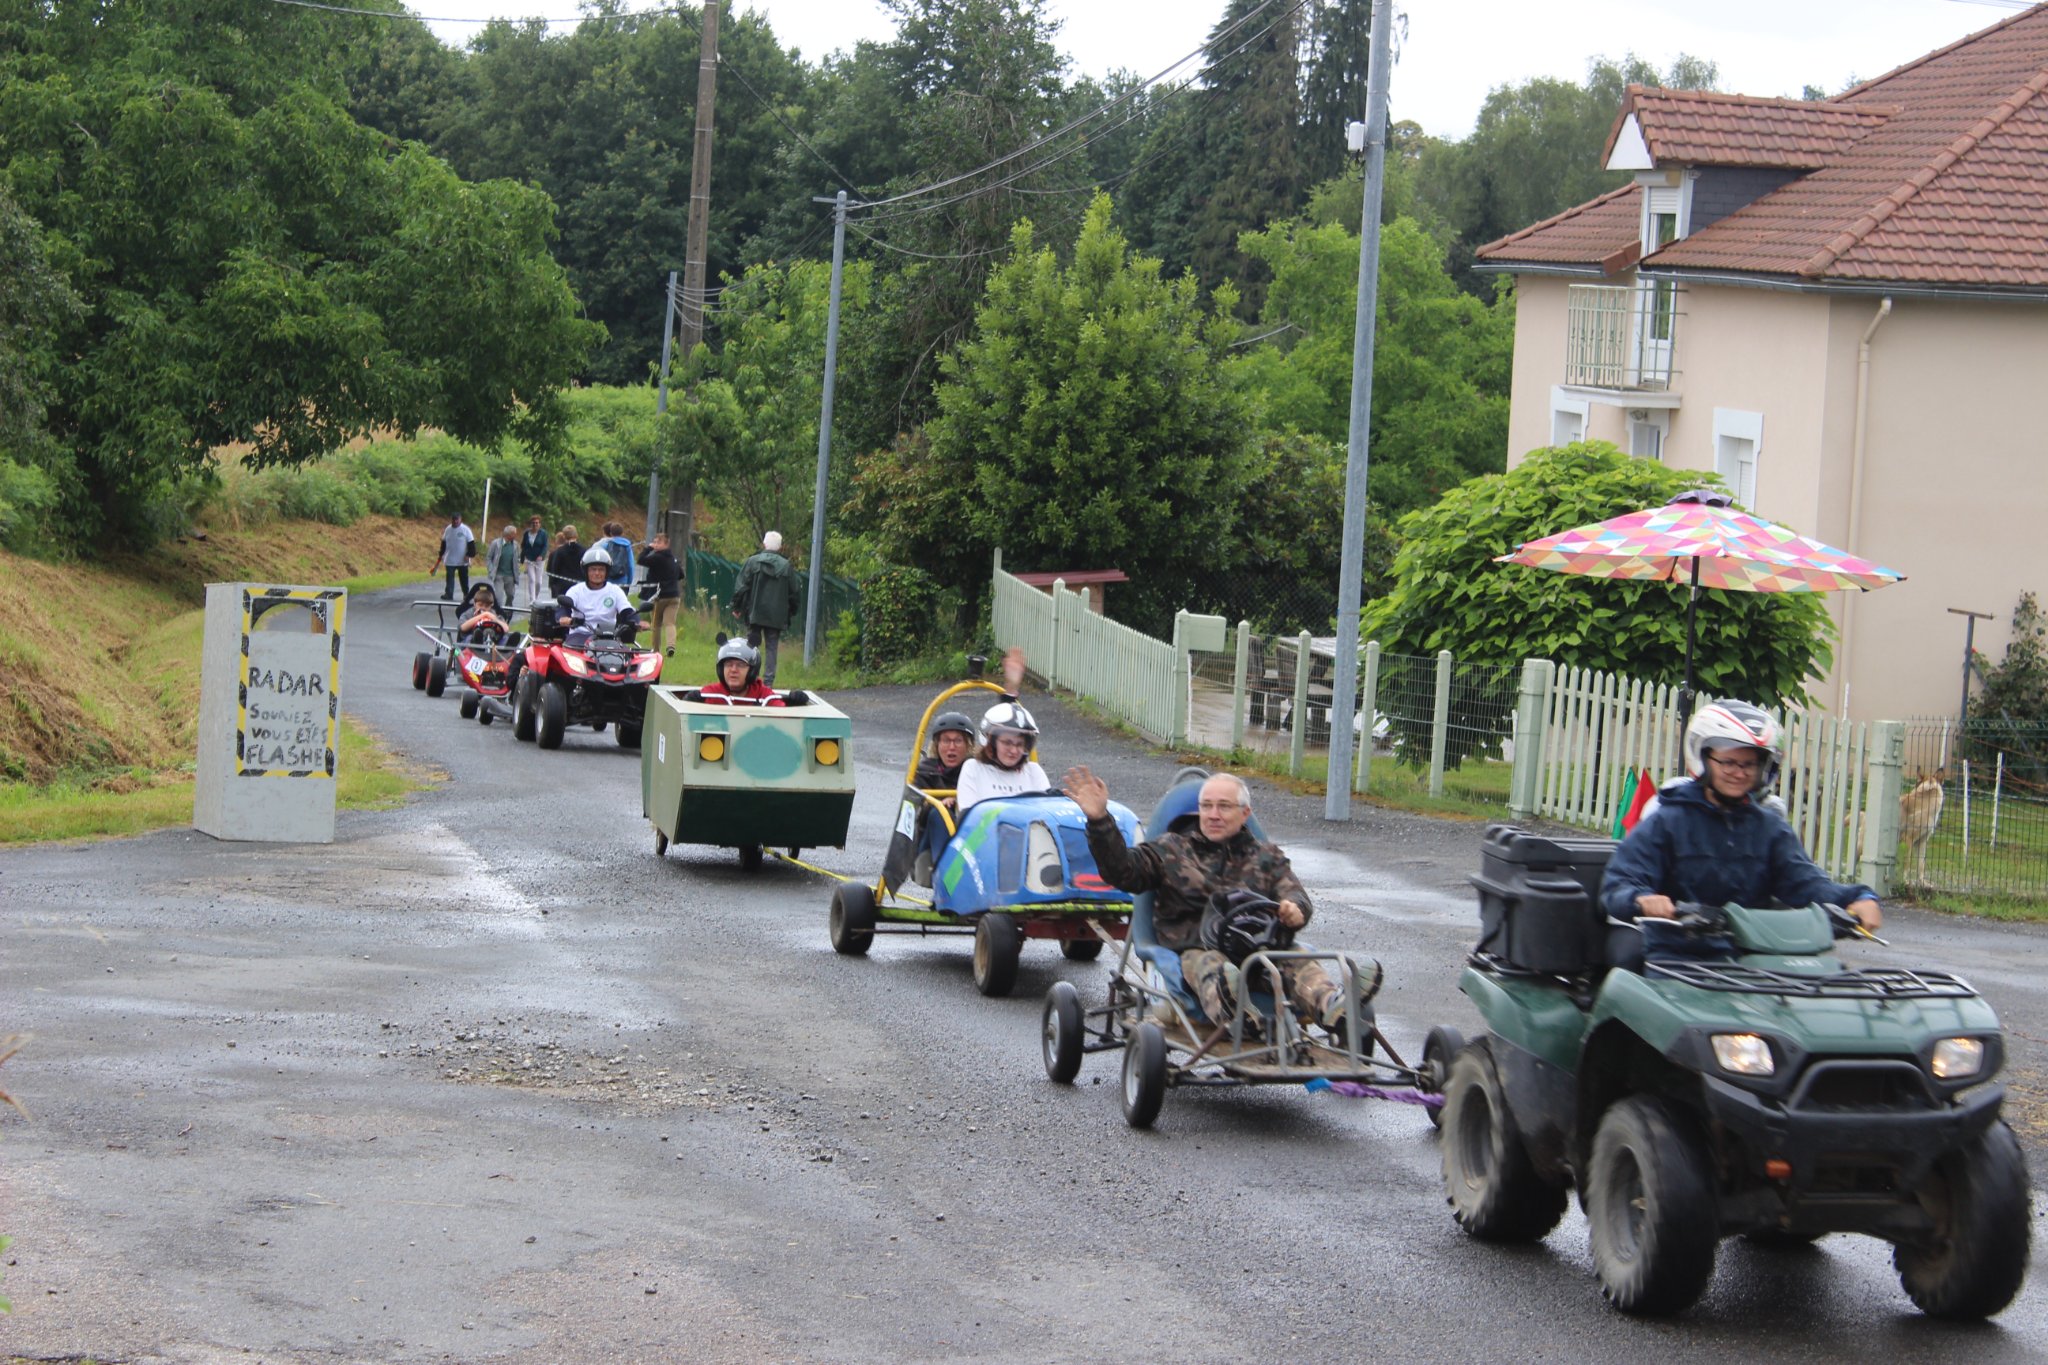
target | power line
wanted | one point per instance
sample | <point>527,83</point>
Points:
<point>791,130</point>
<point>444,19</point>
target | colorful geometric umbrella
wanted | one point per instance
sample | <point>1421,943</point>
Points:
<point>1699,537</point>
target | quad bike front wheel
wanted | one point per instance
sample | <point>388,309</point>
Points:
<point>1650,1208</point>
<point>554,717</point>
<point>525,706</point>
<point>1972,1264</point>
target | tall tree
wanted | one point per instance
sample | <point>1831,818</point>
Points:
<point>1085,423</point>
<point>254,265</point>
<point>35,306</point>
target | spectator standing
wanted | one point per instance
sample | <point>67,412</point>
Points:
<point>621,551</point>
<point>458,548</point>
<point>501,565</point>
<point>533,559</point>
<point>764,599</point>
<point>565,562</point>
<point>658,566</point>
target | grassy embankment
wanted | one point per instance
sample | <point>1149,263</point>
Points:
<point>99,673</point>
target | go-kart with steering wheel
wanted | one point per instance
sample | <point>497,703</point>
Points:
<point>1727,1075</point>
<point>1153,1016</point>
<point>1008,869</point>
<point>577,676</point>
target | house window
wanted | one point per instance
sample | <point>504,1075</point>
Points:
<point>1646,432</point>
<point>1738,440</point>
<point>1568,417</point>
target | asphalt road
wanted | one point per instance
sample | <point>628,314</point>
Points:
<point>487,1081</point>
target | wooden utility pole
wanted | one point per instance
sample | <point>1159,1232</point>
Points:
<point>692,320</point>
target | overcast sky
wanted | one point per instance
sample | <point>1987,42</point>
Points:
<point>1455,50</point>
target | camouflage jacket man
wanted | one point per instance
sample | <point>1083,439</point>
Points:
<point>1184,870</point>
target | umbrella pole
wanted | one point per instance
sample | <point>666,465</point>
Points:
<point>1692,611</point>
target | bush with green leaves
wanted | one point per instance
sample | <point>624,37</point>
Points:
<point>899,616</point>
<point>1450,594</point>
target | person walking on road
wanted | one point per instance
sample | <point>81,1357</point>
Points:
<point>458,548</point>
<point>501,565</point>
<point>565,563</point>
<point>764,599</point>
<point>533,559</point>
<point>658,566</point>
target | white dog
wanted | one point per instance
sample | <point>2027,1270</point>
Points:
<point>1919,813</point>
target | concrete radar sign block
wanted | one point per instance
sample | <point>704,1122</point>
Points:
<point>269,712</point>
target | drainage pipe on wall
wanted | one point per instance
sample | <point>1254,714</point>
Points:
<point>1855,540</point>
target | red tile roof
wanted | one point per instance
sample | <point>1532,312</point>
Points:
<point>1939,175</point>
<point>1607,228</point>
<point>1704,128</point>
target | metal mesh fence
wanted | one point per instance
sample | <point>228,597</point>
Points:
<point>1973,816</point>
<point>710,580</point>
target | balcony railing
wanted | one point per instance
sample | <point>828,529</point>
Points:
<point>1621,336</point>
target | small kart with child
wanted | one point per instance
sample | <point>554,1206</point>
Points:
<point>1153,1017</point>
<point>1738,1078</point>
<point>1006,869</point>
<point>576,676</point>
<point>431,666</point>
<point>740,765</point>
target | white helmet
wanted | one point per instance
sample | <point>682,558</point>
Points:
<point>1732,724</point>
<point>1007,718</point>
<point>596,554</point>
<point>734,649</point>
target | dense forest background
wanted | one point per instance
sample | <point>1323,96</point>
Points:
<point>1089,317</point>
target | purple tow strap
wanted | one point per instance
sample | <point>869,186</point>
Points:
<point>1358,1091</point>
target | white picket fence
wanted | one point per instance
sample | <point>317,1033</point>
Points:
<point>1583,734</point>
<point>1137,679</point>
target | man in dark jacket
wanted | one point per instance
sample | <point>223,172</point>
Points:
<point>1183,871</point>
<point>565,562</point>
<point>533,560</point>
<point>765,599</point>
<point>1712,841</point>
<point>658,566</point>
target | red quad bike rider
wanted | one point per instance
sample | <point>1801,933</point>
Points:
<point>592,675</point>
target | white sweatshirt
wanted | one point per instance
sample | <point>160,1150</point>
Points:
<point>979,781</point>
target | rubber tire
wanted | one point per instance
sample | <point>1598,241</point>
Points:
<point>1777,1239</point>
<point>1081,949</point>
<point>1144,1074</point>
<point>1060,1034</point>
<point>597,727</point>
<point>525,706</point>
<point>628,736</point>
<point>1974,1266</point>
<point>419,670</point>
<point>437,676</point>
<point>1493,1189</point>
<point>998,943</point>
<point>1650,1208</point>
<point>483,717</point>
<point>553,707</point>
<point>853,919</point>
<point>660,844</point>
<point>466,708</point>
<point>750,857</point>
<point>1438,1049</point>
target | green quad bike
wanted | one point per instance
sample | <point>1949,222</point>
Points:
<point>1741,1081</point>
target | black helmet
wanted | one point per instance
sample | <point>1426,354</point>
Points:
<point>954,722</point>
<point>1240,923</point>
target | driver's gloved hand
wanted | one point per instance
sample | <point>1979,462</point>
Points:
<point>796,696</point>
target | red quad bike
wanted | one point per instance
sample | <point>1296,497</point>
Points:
<point>580,677</point>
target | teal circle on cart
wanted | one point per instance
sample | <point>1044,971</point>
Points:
<point>768,752</point>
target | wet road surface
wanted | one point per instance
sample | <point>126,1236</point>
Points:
<point>486,1080</point>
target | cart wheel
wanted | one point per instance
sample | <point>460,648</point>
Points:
<point>1060,1032</point>
<point>419,671</point>
<point>484,717</point>
<point>997,944</point>
<point>1081,949</point>
<point>525,706</point>
<point>750,857</point>
<point>1438,1048</point>
<point>853,919</point>
<point>467,707</point>
<point>1144,1074</point>
<point>597,727</point>
<point>1973,1263</point>
<point>553,722</point>
<point>660,844</point>
<point>628,736</point>
<point>437,676</point>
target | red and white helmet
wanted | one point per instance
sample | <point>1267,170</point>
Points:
<point>1008,718</point>
<point>1732,724</point>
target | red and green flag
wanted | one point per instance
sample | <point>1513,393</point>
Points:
<point>1629,811</point>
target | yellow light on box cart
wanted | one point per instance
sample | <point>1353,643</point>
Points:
<point>711,748</point>
<point>827,752</point>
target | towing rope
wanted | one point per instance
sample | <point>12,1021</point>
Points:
<point>1359,1091</point>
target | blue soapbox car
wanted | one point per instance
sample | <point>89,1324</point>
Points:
<point>1008,869</point>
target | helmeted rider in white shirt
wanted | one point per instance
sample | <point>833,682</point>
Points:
<point>596,603</point>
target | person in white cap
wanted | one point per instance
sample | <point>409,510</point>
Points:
<point>764,599</point>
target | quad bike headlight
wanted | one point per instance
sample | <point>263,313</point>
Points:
<point>1956,1058</point>
<point>1744,1054</point>
<point>576,664</point>
<point>647,666</point>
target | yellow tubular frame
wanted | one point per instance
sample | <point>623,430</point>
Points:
<point>935,798</point>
